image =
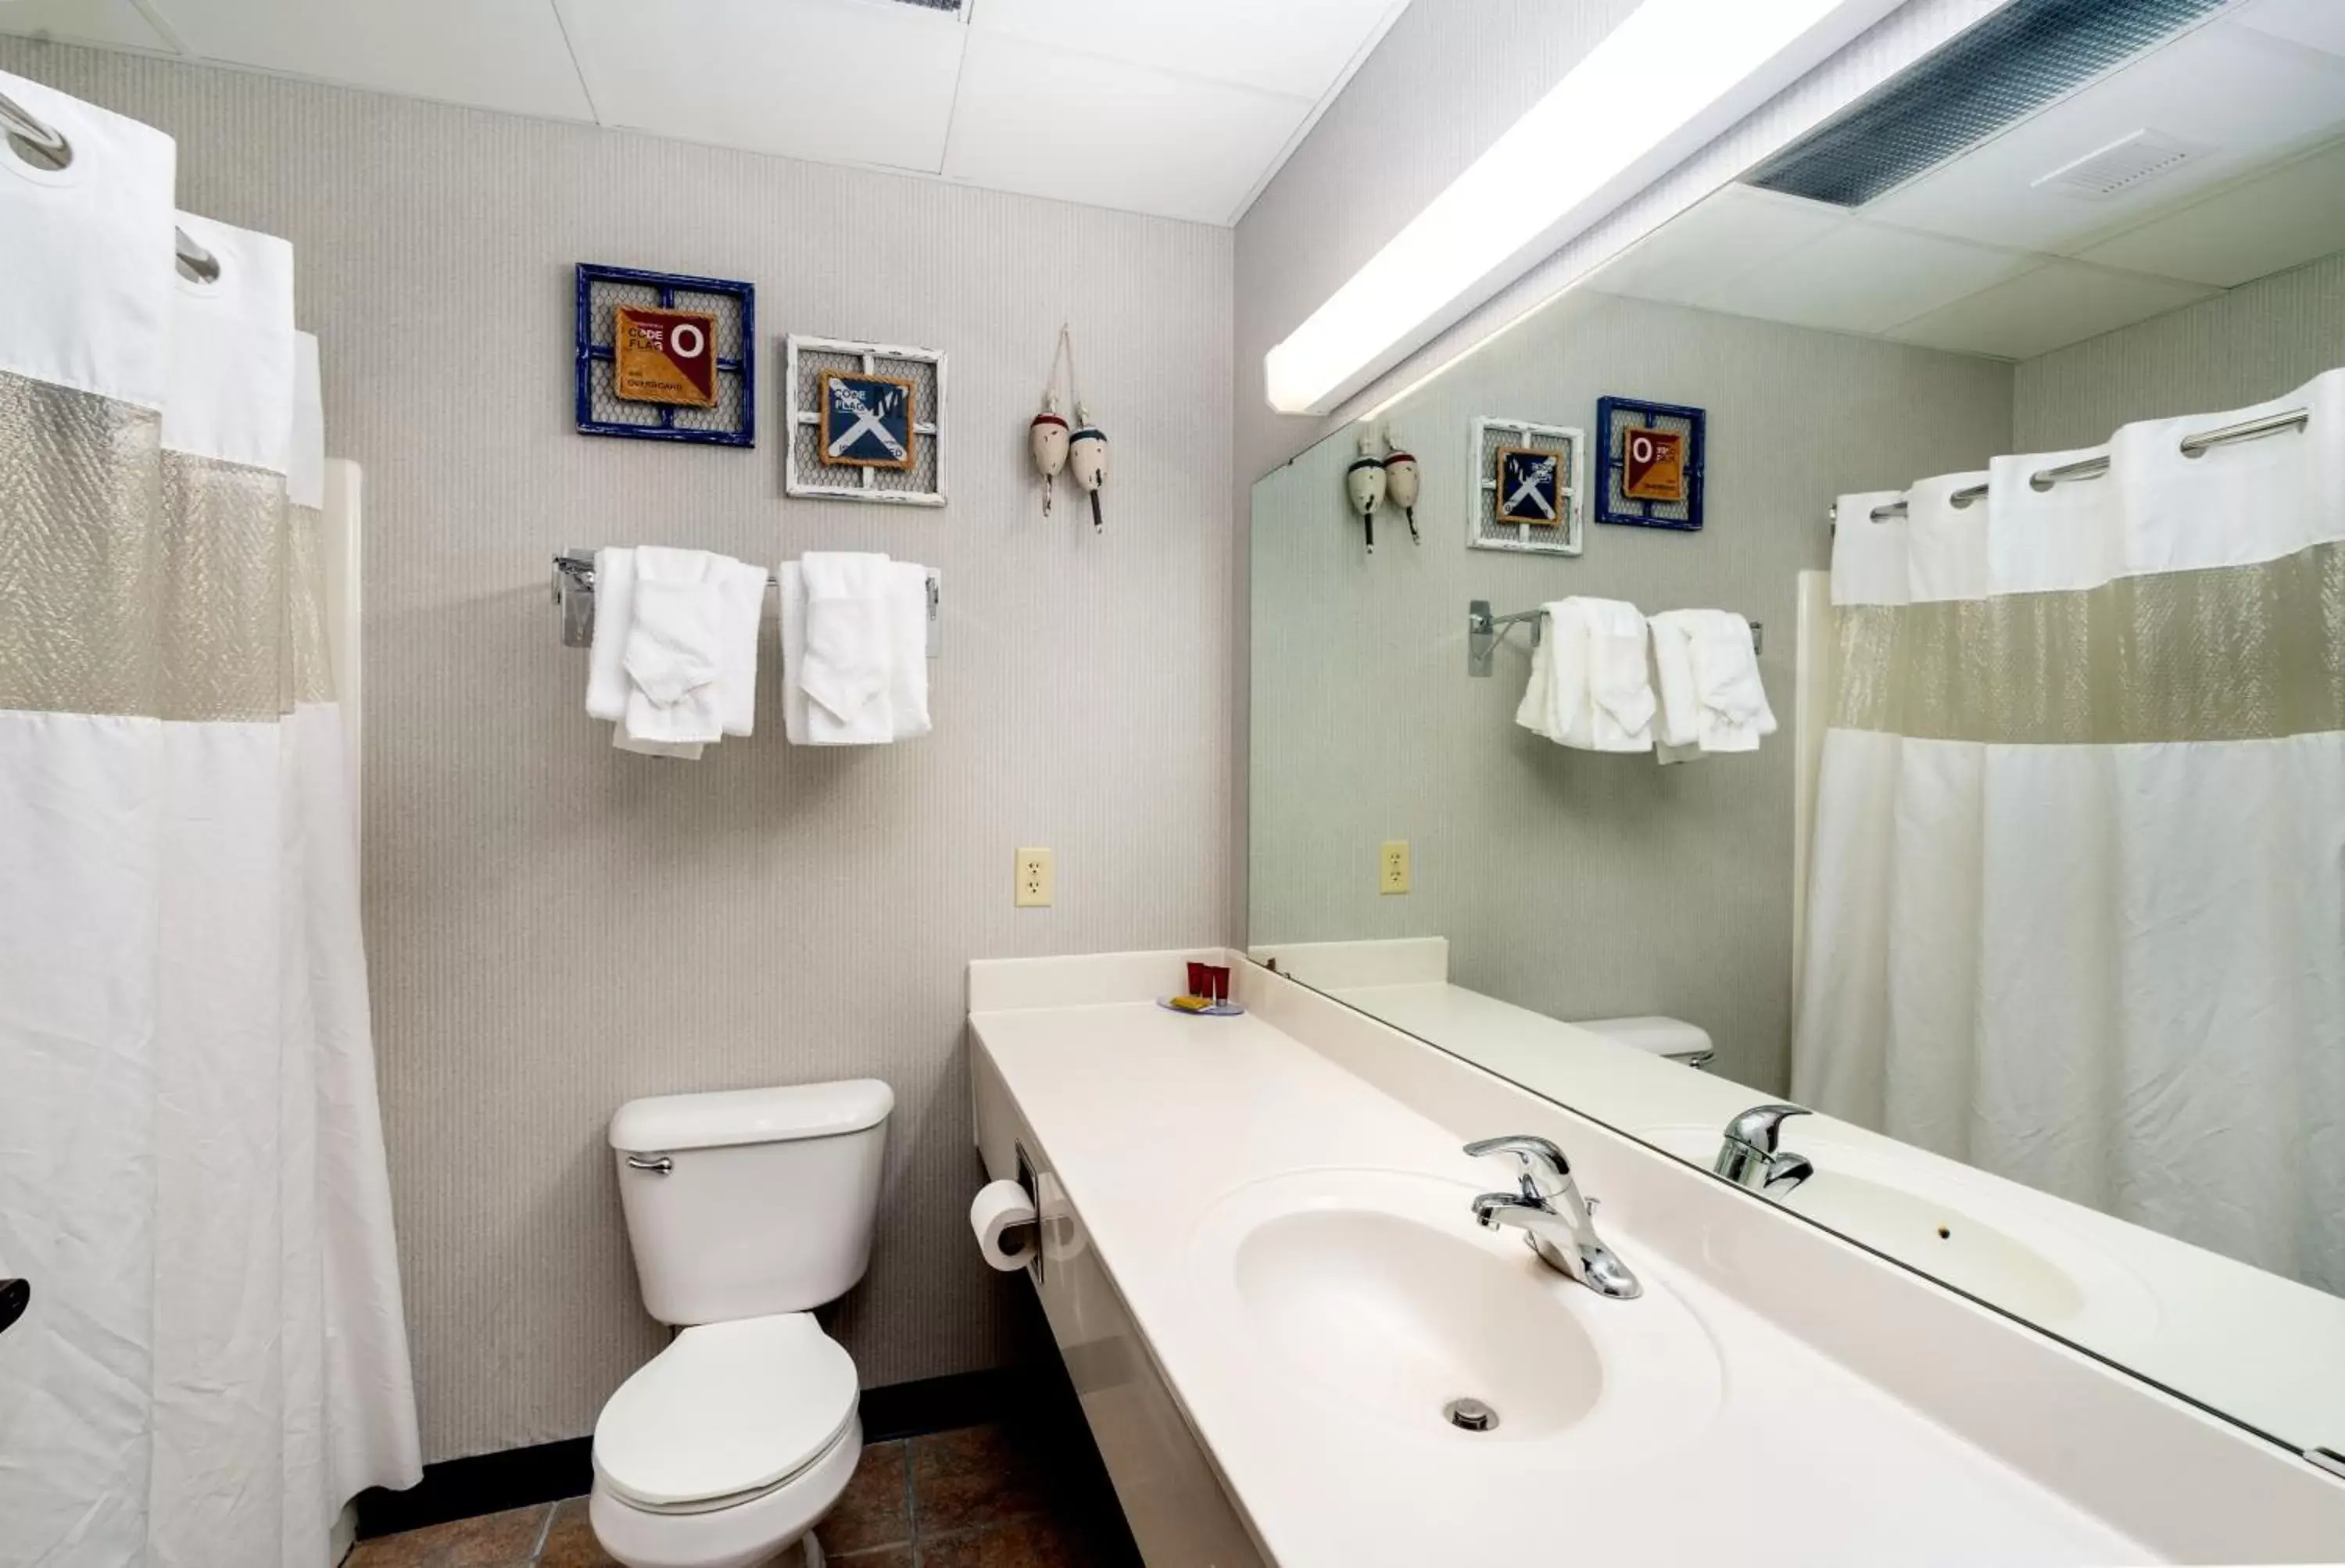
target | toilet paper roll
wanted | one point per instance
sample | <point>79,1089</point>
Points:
<point>1001,1206</point>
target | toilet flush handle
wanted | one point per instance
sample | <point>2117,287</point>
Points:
<point>660,1163</point>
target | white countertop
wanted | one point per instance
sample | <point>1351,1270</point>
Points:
<point>1150,1119</point>
<point>2267,1349</point>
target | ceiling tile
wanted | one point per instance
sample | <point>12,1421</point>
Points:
<point>111,22</point>
<point>2293,215</point>
<point>1864,278</point>
<point>1119,134</point>
<point>2225,91</point>
<point>1298,48</point>
<point>1735,232</point>
<point>496,54</point>
<point>2319,24</point>
<point>838,81</point>
<point>2057,304</point>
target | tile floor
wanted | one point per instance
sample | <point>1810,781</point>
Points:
<point>1009,1495</point>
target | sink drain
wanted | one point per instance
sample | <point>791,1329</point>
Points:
<point>1470,1415</point>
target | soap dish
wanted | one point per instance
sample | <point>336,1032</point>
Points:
<point>1210,1010</point>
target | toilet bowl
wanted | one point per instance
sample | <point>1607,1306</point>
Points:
<point>745,1209</point>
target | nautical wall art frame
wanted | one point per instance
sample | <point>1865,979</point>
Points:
<point>665,356</point>
<point>863,421</point>
<point>1653,456</point>
<point>1527,487</point>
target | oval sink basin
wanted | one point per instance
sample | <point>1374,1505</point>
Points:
<point>1921,1211</point>
<point>1375,1291</point>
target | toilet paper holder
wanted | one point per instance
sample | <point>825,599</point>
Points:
<point>1029,1235</point>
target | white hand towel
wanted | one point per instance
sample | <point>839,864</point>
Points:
<point>674,650</point>
<point>1619,680</point>
<point>1672,633</point>
<point>794,697</point>
<point>615,617</point>
<point>1531,713</point>
<point>742,588</point>
<point>1732,701</point>
<point>846,663</point>
<point>907,649</point>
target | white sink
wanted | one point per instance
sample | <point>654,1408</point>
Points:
<point>1375,1291</point>
<point>2003,1247</point>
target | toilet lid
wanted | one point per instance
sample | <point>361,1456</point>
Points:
<point>726,1408</point>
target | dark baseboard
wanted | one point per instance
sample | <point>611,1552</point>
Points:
<point>547,1472</point>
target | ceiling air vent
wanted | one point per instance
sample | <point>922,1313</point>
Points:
<point>2120,165</point>
<point>1998,72</point>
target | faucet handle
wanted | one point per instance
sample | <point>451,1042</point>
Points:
<point>1541,1166</point>
<point>1762,1126</point>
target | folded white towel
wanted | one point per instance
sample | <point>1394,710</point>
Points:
<point>904,615</point>
<point>676,646</point>
<point>1620,678</point>
<point>742,588</point>
<point>1673,670</point>
<point>1731,701</point>
<point>1590,687</point>
<point>907,649</point>
<point>847,652</point>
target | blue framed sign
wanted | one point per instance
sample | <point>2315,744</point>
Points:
<point>664,356</point>
<point>1652,456</point>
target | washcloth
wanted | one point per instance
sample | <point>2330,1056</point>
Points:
<point>676,646</point>
<point>847,651</point>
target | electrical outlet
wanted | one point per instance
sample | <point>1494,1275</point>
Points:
<point>1392,867</point>
<point>1036,879</point>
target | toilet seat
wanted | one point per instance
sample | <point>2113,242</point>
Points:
<point>728,1412</point>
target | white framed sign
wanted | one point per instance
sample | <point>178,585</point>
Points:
<point>863,421</point>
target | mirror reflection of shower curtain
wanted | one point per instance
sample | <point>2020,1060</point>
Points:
<point>191,1162</point>
<point>2076,909</point>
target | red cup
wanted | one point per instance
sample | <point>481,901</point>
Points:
<point>1200,979</point>
<point>1219,975</point>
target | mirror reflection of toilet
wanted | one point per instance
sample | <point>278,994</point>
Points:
<point>745,1210</point>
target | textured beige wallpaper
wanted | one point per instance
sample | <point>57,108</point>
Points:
<point>2254,342</point>
<point>1580,885</point>
<point>555,928</point>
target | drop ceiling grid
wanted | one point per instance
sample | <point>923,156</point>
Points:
<point>1181,111</point>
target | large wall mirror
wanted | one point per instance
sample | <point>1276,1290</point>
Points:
<point>2016,947</point>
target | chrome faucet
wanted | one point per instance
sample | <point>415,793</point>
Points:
<point>1749,1157</point>
<point>1548,1210</point>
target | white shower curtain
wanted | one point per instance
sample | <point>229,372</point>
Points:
<point>2077,905</point>
<point>191,1163</point>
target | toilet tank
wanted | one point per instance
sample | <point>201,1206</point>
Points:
<point>751,1202</point>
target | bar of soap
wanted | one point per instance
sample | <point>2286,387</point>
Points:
<point>1193,1004</point>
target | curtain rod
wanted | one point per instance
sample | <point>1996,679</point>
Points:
<point>2094,467</point>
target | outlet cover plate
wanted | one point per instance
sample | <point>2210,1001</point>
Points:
<point>1037,879</point>
<point>1391,866</point>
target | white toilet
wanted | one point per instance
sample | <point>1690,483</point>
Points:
<point>1671,1039</point>
<point>745,1210</point>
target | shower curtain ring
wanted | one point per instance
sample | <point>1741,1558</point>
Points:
<point>22,125</point>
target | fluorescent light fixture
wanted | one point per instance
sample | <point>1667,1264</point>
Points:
<point>1671,76</point>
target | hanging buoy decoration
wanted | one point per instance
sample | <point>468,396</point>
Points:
<point>1047,438</point>
<point>1363,482</point>
<point>1400,485</point>
<point>1087,456</point>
